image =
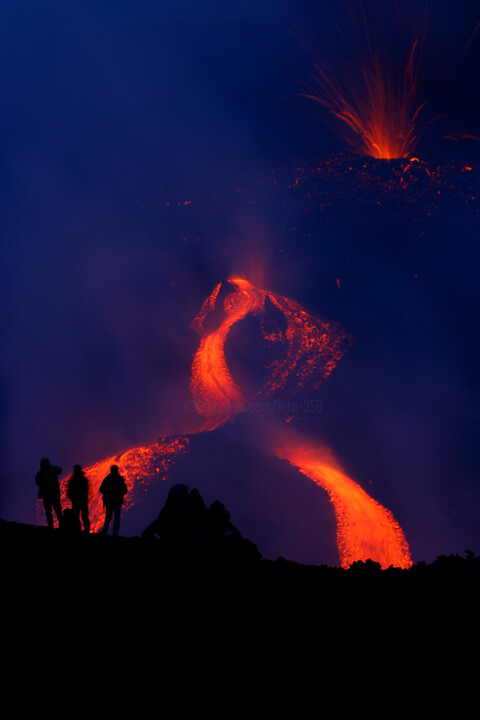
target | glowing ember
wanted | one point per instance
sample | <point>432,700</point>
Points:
<point>365,529</point>
<point>346,190</point>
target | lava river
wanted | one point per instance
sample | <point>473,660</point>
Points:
<point>305,350</point>
<point>365,529</point>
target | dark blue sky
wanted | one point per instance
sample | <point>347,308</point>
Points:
<point>108,114</point>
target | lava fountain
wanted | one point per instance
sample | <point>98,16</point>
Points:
<point>372,88</point>
<point>306,350</point>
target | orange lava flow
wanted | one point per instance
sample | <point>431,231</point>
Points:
<point>365,529</point>
<point>139,466</point>
<point>305,351</point>
<point>311,348</point>
<point>216,395</point>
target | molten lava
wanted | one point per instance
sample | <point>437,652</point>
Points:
<point>374,100</point>
<point>216,395</point>
<point>310,348</point>
<point>365,529</point>
<point>139,466</point>
<point>380,113</point>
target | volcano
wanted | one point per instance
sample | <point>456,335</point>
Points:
<point>306,350</point>
<point>194,174</point>
<point>254,485</point>
<point>252,361</point>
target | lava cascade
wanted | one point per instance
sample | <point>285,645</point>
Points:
<point>365,529</point>
<point>311,348</point>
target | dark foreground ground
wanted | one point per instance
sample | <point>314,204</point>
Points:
<point>117,623</point>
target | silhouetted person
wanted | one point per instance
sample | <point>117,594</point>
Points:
<point>186,528</point>
<point>217,522</point>
<point>113,489</point>
<point>77,493</point>
<point>71,522</point>
<point>222,540</point>
<point>179,522</point>
<point>49,490</point>
<point>172,522</point>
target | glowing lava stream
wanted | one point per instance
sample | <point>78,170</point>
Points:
<point>311,348</point>
<point>139,466</point>
<point>216,395</point>
<point>365,529</point>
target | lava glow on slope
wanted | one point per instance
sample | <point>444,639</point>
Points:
<point>310,347</point>
<point>139,466</point>
<point>365,529</point>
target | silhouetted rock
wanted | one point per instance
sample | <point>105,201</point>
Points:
<point>365,567</point>
<point>186,527</point>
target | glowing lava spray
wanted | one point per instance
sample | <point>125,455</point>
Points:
<point>371,84</point>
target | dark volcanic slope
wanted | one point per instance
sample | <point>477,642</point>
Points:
<point>95,610</point>
<point>55,566</point>
<point>280,510</point>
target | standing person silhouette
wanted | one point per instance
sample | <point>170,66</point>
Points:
<point>49,490</point>
<point>113,489</point>
<point>77,493</point>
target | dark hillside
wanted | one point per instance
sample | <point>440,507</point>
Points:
<point>116,621</point>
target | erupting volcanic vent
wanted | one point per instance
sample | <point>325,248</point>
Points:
<point>305,350</point>
<point>372,87</point>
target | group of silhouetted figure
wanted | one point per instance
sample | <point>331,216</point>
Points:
<point>187,527</point>
<point>113,489</point>
<point>185,519</point>
<point>184,525</point>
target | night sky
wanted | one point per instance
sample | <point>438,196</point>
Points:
<point>148,151</point>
